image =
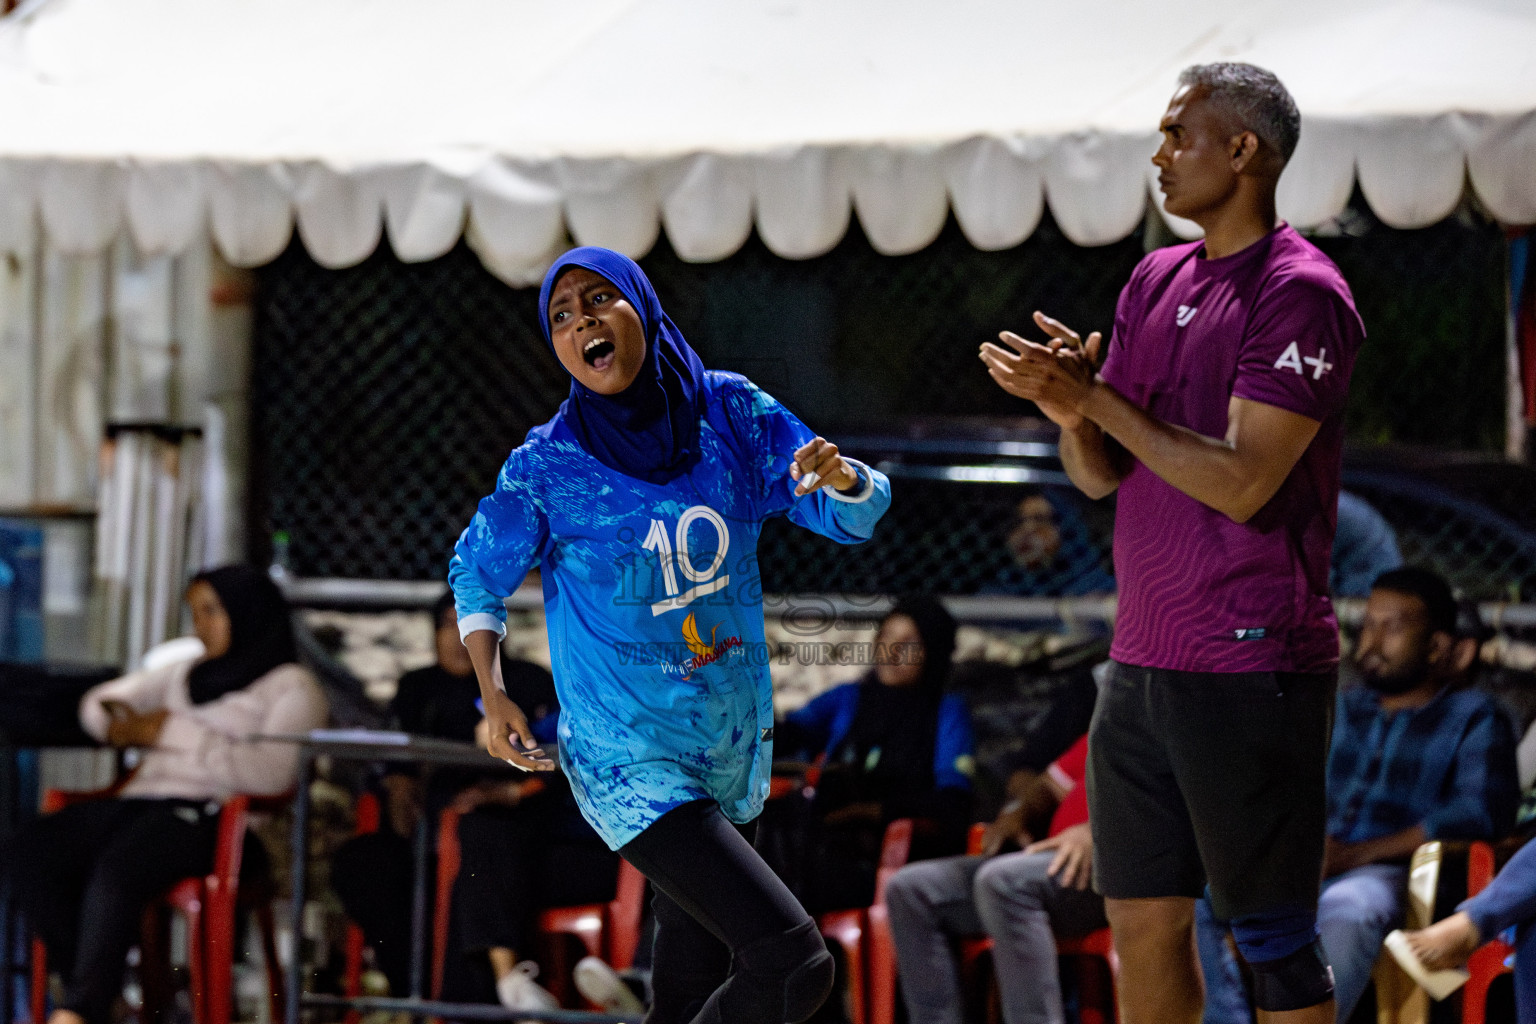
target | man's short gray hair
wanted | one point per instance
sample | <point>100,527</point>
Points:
<point>1255,98</point>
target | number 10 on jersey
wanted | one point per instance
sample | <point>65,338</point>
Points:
<point>676,558</point>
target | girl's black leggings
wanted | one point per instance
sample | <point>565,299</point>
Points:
<point>732,943</point>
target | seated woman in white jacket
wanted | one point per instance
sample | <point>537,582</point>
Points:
<point>85,874</point>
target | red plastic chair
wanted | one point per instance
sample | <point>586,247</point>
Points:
<point>1094,955</point>
<point>609,930</point>
<point>1488,962</point>
<point>448,859</point>
<point>781,786</point>
<point>864,935</point>
<point>352,944</point>
<point>881,969</point>
<point>803,782</point>
<point>1098,971</point>
<point>209,906</point>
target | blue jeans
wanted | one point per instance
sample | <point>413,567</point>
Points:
<point>1354,914</point>
<point>1226,1001</point>
<point>1510,902</point>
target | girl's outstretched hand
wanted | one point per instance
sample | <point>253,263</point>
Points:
<point>507,734</point>
<point>818,464</point>
<point>509,738</point>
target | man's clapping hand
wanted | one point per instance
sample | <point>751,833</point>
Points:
<point>1057,376</point>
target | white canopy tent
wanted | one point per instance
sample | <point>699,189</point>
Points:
<point>522,123</point>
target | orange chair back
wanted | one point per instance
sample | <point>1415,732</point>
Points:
<point>448,858</point>
<point>863,934</point>
<point>367,815</point>
<point>974,838</point>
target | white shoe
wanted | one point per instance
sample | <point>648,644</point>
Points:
<point>518,990</point>
<point>601,984</point>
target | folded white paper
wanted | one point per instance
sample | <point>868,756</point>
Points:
<point>1438,984</point>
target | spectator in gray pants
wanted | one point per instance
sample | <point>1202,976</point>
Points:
<point>1022,900</point>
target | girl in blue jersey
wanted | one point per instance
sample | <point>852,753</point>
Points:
<point>641,502</point>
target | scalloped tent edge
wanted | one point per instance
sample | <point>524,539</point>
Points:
<point>94,143</point>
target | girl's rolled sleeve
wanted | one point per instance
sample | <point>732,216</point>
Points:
<point>494,553</point>
<point>847,519</point>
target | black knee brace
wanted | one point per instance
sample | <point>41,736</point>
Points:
<point>800,957</point>
<point>808,986</point>
<point>791,969</point>
<point>1293,982</point>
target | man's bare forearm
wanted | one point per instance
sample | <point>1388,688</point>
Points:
<point>1087,460</point>
<point>1211,470</point>
<point>1194,464</point>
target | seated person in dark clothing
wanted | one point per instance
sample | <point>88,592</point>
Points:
<point>1416,756</point>
<point>1051,553</point>
<point>896,746</point>
<point>513,832</point>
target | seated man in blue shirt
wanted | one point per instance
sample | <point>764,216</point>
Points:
<point>1415,757</point>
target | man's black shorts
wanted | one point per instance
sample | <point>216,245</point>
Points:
<point>1216,778</point>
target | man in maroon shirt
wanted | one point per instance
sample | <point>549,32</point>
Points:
<point>1218,414</point>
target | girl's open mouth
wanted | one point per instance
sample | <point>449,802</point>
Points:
<point>598,353</point>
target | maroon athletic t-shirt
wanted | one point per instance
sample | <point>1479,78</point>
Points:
<point>1276,324</point>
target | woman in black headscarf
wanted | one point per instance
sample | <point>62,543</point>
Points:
<point>84,875</point>
<point>896,745</point>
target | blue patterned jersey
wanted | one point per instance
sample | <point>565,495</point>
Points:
<point>653,602</point>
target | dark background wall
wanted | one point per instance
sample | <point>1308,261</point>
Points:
<point>388,394</point>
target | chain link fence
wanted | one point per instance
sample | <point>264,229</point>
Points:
<point>388,394</point>
<point>1486,556</point>
<point>1434,305</point>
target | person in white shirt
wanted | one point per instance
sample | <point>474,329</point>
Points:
<point>84,875</point>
